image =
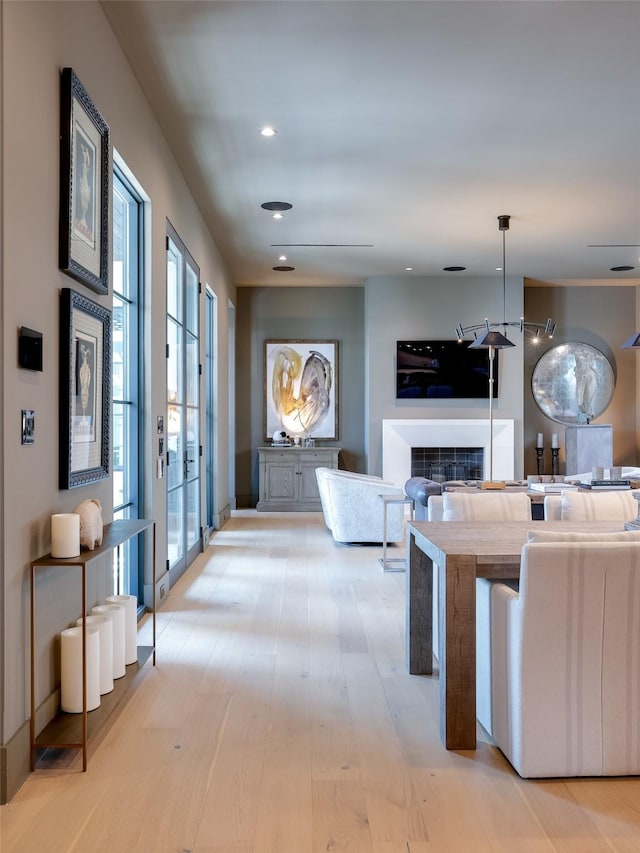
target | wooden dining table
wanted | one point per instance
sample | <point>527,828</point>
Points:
<point>462,551</point>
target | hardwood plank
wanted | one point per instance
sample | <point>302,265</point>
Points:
<point>340,817</point>
<point>281,719</point>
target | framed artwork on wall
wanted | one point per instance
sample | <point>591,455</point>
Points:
<point>84,187</point>
<point>85,390</point>
<point>301,388</point>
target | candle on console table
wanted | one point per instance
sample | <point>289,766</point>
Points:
<point>539,442</point>
<point>554,440</point>
<point>65,535</point>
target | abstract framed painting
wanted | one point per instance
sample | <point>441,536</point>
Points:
<point>85,390</point>
<point>301,388</point>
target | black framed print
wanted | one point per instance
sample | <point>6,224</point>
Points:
<point>85,390</point>
<point>84,186</point>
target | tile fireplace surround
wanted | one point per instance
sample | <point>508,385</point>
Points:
<point>399,436</point>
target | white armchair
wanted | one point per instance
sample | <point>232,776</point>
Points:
<point>352,509</point>
<point>564,661</point>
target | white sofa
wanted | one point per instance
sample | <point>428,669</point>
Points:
<point>564,658</point>
<point>352,509</point>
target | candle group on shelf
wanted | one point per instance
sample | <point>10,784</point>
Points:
<point>554,441</point>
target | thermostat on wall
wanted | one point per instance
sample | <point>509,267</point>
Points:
<point>30,349</point>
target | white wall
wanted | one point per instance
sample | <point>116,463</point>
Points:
<point>38,39</point>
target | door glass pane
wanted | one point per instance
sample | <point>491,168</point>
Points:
<point>193,371</point>
<point>119,432</point>
<point>174,281</point>
<point>175,526</point>
<point>192,300</point>
<point>174,446</point>
<point>174,362</point>
<point>119,349</point>
<point>193,514</point>
<point>193,450</point>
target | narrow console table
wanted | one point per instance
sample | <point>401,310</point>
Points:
<point>60,732</point>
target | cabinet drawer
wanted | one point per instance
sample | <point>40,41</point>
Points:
<point>318,457</point>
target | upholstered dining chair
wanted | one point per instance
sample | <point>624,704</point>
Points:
<point>480,506</point>
<point>591,506</point>
<point>476,506</point>
<point>565,659</point>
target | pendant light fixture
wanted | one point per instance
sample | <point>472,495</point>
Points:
<point>489,336</point>
<point>632,342</point>
<point>493,339</point>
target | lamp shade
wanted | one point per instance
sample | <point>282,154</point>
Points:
<point>633,341</point>
<point>491,338</point>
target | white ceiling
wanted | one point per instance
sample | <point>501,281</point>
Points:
<point>406,125</point>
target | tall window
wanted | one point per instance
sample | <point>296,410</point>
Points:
<point>127,265</point>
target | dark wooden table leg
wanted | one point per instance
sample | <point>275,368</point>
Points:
<point>419,618</point>
<point>457,652</point>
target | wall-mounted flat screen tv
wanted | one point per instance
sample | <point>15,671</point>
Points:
<point>443,369</point>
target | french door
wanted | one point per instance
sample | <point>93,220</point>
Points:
<point>210,415</point>
<point>183,407</point>
<point>127,458</point>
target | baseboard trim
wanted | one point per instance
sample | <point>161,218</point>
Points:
<point>15,763</point>
<point>222,517</point>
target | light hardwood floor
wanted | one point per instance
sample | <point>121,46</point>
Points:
<point>280,719</point>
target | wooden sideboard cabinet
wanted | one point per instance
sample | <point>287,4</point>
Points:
<point>288,477</point>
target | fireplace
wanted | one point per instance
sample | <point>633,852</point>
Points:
<point>400,436</point>
<point>447,463</point>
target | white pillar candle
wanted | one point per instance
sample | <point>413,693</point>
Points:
<point>65,535</point>
<point>554,440</point>
<point>116,612</point>
<point>71,669</point>
<point>105,630</point>
<point>130,604</point>
<point>539,442</point>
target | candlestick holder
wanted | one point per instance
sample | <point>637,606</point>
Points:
<point>540,460</point>
<point>555,462</point>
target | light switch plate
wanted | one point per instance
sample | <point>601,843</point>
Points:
<point>28,426</point>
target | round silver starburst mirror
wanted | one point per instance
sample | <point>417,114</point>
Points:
<point>573,383</point>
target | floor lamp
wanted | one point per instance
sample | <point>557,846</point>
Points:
<point>491,340</point>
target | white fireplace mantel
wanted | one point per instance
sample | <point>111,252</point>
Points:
<point>399,436</point>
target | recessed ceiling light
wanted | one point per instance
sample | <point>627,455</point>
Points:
<point>267,130</point>
<point>498,269</point>
<point>408,269</point>
<point>282,258</point>
<point>453,269</point>
<point>283,269</point>
<point>622,269</point>
<point>276,205</point>
<point>278,216</point>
